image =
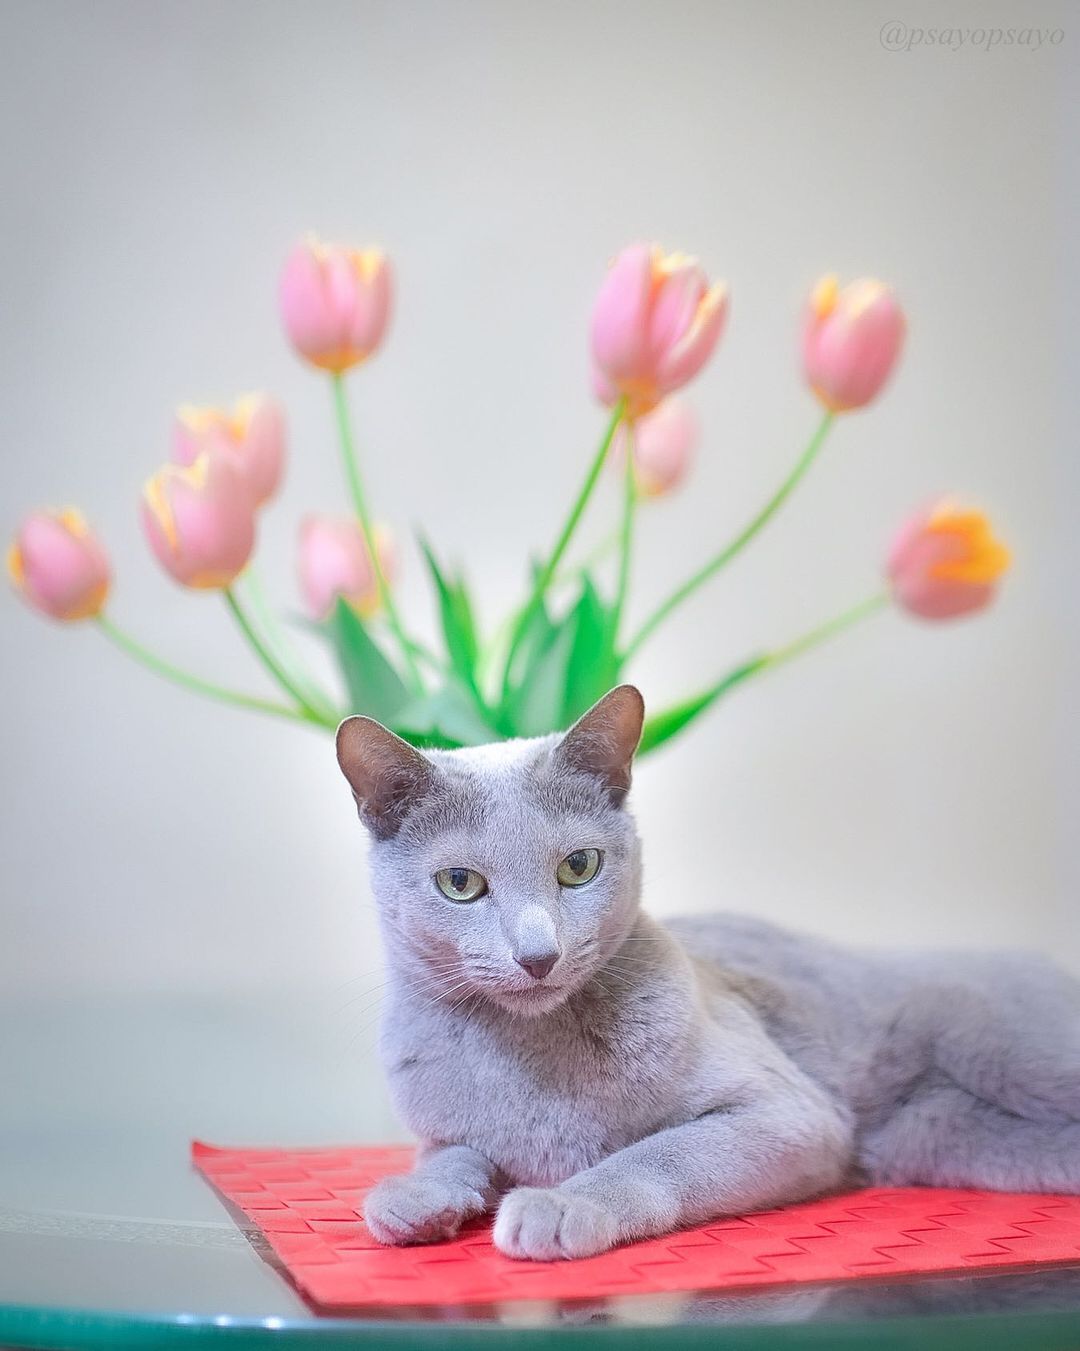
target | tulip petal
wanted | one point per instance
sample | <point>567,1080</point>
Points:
<point>620,317</point>
<point>692,351</point>
<point>676,296</point>
<point>59,566</point>
<point>200,521</point>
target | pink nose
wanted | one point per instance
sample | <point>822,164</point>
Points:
<point>537,967</point>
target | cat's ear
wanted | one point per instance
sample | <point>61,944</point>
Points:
<point>387,775</point>
<point>602,742</point>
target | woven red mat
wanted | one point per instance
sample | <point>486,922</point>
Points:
<point>307,1203</point>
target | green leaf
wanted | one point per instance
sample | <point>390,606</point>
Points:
<point>447,718</point>
<point>592,668</point>
<point>458,622</point>
<point>567,666</point>
<point>669,722</point>
<point>536,705</point>
<point>374,686</point>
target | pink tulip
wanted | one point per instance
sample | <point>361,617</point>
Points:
<point>664,442</point>
<point>252,435</point>
<point>851,341</point>
<point>655,324</point>
<point>946,562</point>
<point>335,302</point>
<point>200,521</point>
<point>334,561</point>
<point>59,565</point>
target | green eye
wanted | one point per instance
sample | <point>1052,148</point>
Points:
<point>579,867</point>
<point>460,884</point>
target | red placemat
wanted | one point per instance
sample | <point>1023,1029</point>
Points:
<point>307,1203</point>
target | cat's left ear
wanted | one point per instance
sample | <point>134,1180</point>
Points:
<point>387,775</point>
<point>602,742</point>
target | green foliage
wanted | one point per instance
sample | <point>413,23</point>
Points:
<point>447,718</point>
<point>458,621</point>
<point>373,683</point>
<point>451,716</point>
<point>669,722</point>
<point>564,666</point>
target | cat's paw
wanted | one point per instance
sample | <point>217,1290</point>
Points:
<point>547,1223</point>
<point>415,1209</point>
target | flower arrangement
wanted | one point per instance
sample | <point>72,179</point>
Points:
<point>656,324</point>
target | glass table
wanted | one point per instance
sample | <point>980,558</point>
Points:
<point>109,1239</point>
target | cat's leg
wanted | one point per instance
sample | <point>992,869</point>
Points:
<point>449,1185</point>
<point>725,1162</point>
<point>944,1136</point>
<point>1014,1040</point>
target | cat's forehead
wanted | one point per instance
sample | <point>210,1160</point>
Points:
<point>479,787</point>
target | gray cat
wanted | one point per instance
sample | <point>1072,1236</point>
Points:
<point>600,1077</point>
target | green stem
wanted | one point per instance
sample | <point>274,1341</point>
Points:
<point>360,505</point>
<point>626,536</point>
<point>831,627</point>
<point>736,546</point>
<point>547,572</point>
<point>283,647</point>
<point>669,721</point>
<point>127,644</point>
<point>573,573</point>
<point>269,660</point>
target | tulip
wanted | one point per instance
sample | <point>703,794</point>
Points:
<point>335,302</point>
<point>946,562</point>
<point>851,341</point>
<point>59,565</point>
<point>664,442</point>
<point>655,324</point>
<point>251,435</point>
<point>200,521</point>
<point>334,561</point>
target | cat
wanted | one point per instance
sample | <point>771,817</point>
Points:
<point>593,1076</point>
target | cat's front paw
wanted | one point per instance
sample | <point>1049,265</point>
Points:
<point>547,1223</point>
<point>415,1209</point>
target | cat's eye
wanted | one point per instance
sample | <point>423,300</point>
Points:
<point>460,884</point>
<point>579,867</point>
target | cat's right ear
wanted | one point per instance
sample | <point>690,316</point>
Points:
<point>602,742</point>
<point>387,775</point>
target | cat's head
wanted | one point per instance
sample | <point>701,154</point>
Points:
<point>511,870</point>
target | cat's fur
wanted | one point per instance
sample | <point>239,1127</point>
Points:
<point>662,1075</point>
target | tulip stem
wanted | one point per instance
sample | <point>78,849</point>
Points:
<point>779,655</point>
<point>360,505</point>
<point>626,536</point>
<point>547,572</point>
<point>735,546</point>
<point>259,647</point>
<point>663,725</point>
<point>188,681</point>
<point>284,649</point>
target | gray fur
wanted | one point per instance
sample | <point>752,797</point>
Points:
<point>665,1074</point>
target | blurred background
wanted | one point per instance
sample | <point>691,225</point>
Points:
<point>187,933</point>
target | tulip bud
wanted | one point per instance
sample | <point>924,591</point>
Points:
<point>664,442</point>
<point>59,565</point>
<point>200,521</point>
<point>655,324</point>
<point>333,561</point>
<point>335,302</point>
<point>851,341</point>
<point>252,435</point>
<point>946,562</point>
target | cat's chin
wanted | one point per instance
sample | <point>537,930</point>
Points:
<point>531,1002</point>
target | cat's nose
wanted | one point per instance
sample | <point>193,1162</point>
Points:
<point>537,967</point>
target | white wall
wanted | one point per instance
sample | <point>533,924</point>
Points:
<point>158,160</point>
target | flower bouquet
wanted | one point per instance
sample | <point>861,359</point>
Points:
<point>656,323</point>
